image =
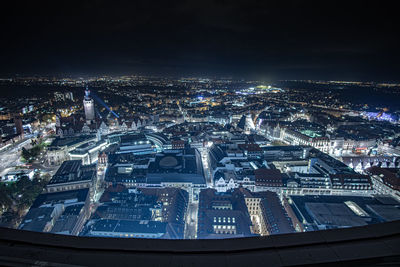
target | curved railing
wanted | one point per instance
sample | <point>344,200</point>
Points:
<point>371,245</point>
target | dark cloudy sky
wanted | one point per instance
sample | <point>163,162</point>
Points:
<point>249,39</point>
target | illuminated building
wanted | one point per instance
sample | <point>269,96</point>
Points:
<point>144,213</point>
<point>246,123</point>
<point>19,127</point>
<point>223,215</point>
<point>88,104</point>
<point>71,176</point>
<point>58,212</point>
<point>88,152</point>
<point>386,181</point>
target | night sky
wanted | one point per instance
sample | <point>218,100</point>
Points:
<point>327,40</point>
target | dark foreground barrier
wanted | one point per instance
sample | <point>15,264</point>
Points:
<point>372,245</point>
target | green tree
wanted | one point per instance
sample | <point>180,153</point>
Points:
<point>5,199</point>
<point>29,154</point>
<point>26,155</point>
<point>23,184</point>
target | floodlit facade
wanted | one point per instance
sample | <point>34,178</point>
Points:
<point>88,104</point>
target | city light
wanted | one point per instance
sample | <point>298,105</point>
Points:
<point>146,175</point>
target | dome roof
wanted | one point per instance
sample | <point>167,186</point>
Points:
<point>168,162</point>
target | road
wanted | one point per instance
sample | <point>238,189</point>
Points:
<point>11,156</point>
<point>98,189</point>
<point>191,221</point>
<point>207,171</point>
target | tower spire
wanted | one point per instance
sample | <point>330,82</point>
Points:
<point>88,104</point>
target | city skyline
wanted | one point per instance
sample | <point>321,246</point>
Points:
<point>150,159</point>
<point>234,152</point>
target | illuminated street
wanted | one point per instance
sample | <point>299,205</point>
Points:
<point>209,120</point>
<point>191,221</point>
<point>11,156</point>
<point>205,161</point>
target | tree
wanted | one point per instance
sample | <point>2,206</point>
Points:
<point>23,184</point>
<point>29,154</point>
<point>26,155</point>
<point>5,199</point>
